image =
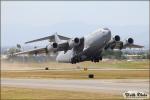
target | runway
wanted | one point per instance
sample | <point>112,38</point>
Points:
<point>91,85</point>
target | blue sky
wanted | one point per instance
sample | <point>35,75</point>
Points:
<point>27,20</point>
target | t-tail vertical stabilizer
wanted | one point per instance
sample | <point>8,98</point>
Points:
<point>56,37</point>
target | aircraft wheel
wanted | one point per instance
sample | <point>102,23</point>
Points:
<point>73,61</point>
<point>112,48</point>
<point>100,58</point>
<point>96,60</point>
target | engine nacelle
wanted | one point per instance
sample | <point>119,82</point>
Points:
<point>52,47</point>
<point>116,38</point>
<point>74,42</point>
<point>130,41</point>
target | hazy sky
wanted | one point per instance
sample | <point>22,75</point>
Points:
<point>27,20</point>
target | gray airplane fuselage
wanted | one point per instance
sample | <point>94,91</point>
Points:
<point>87,48</point>
<point>94,43</point>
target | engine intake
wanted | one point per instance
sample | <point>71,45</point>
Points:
<point>74,42</point>
<point>52,47</point>
<point>77,40</point>
<point>117,38</point>
<point>55,45</point>
<point>130,41</point>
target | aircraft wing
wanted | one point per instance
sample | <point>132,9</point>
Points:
<point>120,45</point>
<point>51,38</point>
<point>33,51</point>
<point>115,43</point>
<point>132,46</point>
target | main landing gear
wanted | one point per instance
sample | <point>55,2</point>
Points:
<point>75,60</point>
<point>96,59</point>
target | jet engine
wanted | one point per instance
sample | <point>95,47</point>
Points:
<point>116,38</point>
<point>52,47</point>
<point>112,43</point>
<point>74,42</point>
<point>130,41</point>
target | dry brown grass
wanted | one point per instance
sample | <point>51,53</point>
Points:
<point>33,70</point>
<point>26,93</point>
<point>104,64</point>
<point>107,74</point>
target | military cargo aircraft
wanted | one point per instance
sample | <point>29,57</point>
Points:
<point>87,48</point>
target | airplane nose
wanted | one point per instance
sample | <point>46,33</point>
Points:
<point>108,33</point>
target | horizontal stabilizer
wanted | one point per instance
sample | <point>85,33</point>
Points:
<point>51,38</point>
